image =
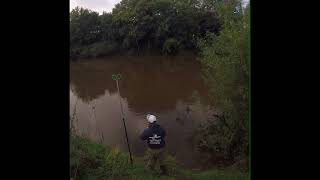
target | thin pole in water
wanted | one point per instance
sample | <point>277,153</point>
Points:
<point>116,78</point>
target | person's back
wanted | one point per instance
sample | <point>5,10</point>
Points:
<point>154,135</point>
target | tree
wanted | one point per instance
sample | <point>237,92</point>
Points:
<point>105,21</point>
<point>84,27</point>
<point>226,61</point>
<point>141,24</point>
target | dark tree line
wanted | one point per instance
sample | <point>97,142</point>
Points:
<point>135,25</point>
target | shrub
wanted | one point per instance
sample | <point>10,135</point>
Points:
<point>94,50</point>
<point>170,46</point>
<point>225,60</point>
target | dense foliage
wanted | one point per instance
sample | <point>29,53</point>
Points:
<point>225,60</point>
<point>135,25</point>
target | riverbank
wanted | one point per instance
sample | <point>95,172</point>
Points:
<point>101,50</point>
<point>90,160</point>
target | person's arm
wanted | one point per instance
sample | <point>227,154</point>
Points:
<point>164,133</point>
<point>144,135</point>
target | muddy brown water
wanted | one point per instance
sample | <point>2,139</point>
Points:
<point>169,87</point>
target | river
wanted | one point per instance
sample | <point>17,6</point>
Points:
<point>169,87</point>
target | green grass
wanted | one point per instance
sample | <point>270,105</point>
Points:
<point>93,161</point>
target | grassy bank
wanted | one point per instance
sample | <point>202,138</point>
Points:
<point>90,160</point>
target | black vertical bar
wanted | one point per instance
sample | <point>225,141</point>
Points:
<point>124,123</point>
<point>125,129</point>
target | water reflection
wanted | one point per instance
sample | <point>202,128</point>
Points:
<point>171,88</point>
<point>153,85</point>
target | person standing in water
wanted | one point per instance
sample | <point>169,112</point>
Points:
<point>154,135</point>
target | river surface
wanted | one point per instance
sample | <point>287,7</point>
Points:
<point>169,87</point>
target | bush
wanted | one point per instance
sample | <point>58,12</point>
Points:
<point>102,49</point>
<point>225,60</point>
<point>89,160</point>
<point>224,141</point>
<point>170,46</point>
<point>74,53</point>
<point>117,163</point>
<point>85,157</point>
<point>94,50</point>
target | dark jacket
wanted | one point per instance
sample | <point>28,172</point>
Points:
<point>155,136</point>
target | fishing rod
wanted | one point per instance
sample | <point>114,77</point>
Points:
<point>117,77</point>
<point>98,133</point>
